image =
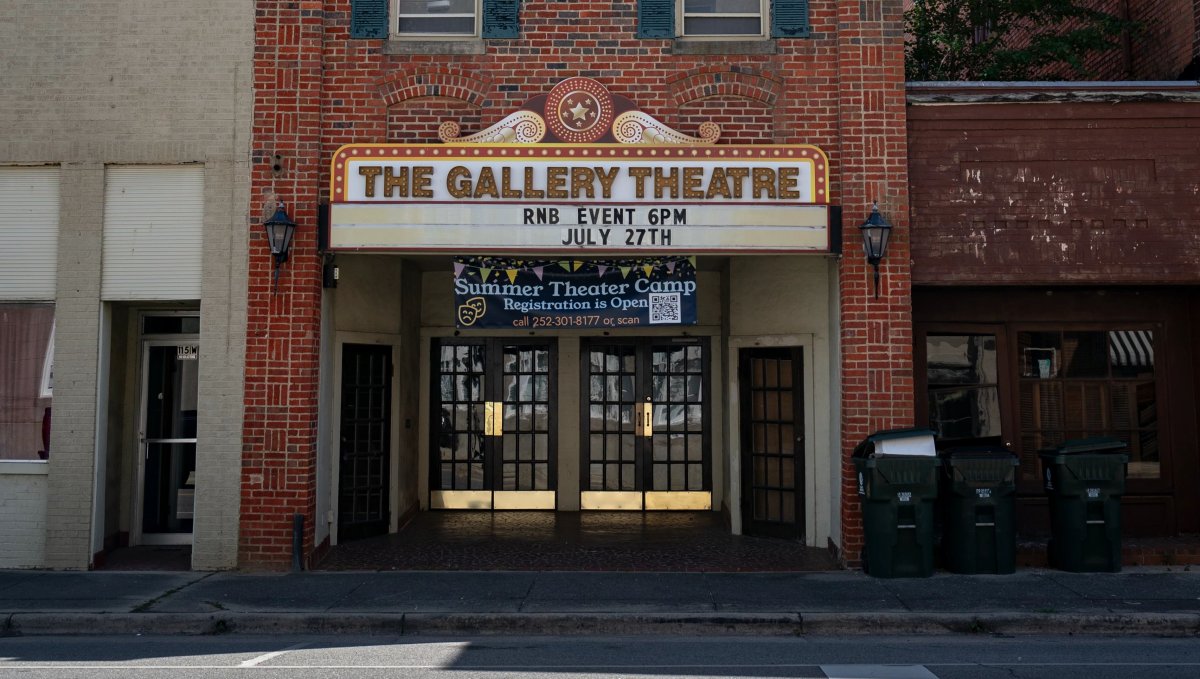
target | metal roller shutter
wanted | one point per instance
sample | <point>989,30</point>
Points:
<point>153,229</point>
<point>28,232</point>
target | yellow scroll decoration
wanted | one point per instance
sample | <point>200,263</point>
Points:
<point>521,127</point>
<point>636,127</point>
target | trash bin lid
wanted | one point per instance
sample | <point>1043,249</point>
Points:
<point>1094,444</point>
<point>910,442</point>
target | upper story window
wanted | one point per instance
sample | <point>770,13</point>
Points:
<point>723,18</point>
<point>425,23</point>
<point>436,18</point>
<point>734,21</point>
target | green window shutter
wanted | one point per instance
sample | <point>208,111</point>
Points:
<point>789,19</point>
<point>369,18</point>
<point>656,19</point>
<point>501,18</point>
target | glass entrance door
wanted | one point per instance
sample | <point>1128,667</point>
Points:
<point>168,438</point>
<point>646,443</point>
<point>493,435</point>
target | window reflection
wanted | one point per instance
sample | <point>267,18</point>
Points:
<point>1077,384</point>
<point>961,375</point>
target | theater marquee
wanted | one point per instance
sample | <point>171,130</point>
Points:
<point>660,191</point>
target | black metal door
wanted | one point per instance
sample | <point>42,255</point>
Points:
<point>493,420</point>
<point>663,380</point>
<point>527,440</point>
<point>363,479</point>
<point>460,396</point>
<point>772,428</point>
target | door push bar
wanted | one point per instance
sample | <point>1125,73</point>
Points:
<point>493,418</point>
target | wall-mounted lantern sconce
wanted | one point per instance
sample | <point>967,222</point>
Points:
<point>280,229</point>
<point>875,232</point>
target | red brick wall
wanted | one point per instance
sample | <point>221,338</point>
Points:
<point>1169,38</point>
<point>841,89</point>
<point>283,327</point>
<point>1159,50</point>
<point>1055,193</point>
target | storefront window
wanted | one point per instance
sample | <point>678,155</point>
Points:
<point>26,380</point>
<point>1076,384</point>
<point>964,398</point>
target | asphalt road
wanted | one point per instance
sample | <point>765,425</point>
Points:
<point>864,657</point>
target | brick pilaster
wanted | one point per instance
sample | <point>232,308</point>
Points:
<point>876,334</point>
<point>283,328</point>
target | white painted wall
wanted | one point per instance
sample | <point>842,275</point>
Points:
<point>785,302</point>
<point>23,493</point>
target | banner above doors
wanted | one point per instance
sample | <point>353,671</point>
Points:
<point>507,293</point>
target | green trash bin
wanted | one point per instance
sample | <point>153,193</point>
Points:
<point>979,506</point>
<point>1084,480</point>
<point>897,493</point>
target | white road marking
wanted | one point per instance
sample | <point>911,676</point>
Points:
<point>254,662</point>
<point>7,664</point>
<point>877,672</point>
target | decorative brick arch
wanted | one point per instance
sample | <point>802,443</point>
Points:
<point>726,80</point>
<point>449,83</point>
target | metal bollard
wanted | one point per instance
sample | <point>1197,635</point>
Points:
<point>297,542</point>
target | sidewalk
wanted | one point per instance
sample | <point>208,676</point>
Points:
<point>1156,601</point>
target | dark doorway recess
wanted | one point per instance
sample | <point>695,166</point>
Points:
<point>772,441</point>
<point>365,447</point>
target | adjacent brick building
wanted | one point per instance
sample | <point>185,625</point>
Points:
<point>1055,279</point>
<point>1164,45</point>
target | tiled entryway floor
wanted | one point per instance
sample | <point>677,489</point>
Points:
<point>574,541</point>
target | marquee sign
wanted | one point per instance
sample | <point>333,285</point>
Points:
<point>579,169</point>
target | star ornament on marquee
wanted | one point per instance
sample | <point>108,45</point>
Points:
<point>579,110</point>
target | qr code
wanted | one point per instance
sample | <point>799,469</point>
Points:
<point>664,308</point>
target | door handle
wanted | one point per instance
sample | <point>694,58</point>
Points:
<point>644,412</point>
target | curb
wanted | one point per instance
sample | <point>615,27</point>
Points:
<point>609,624</point>
<point>1003,622</point>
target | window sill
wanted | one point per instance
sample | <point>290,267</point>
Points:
<point>24,467</point>
<point>451,46</point>
<point>755,46</point>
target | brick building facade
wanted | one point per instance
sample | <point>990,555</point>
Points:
<point>317,88</point>
<point>1054,280</point>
